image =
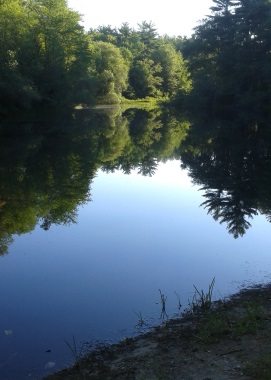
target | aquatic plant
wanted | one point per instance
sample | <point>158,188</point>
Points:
<point>77,353</point>
<point>179,301</point>
<point>141,321</point>
<point>202,300</point>
<point>163,299</point>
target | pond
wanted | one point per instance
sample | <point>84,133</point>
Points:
<point>100,215</point>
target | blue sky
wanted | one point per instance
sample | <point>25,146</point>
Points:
<point>170,17</point>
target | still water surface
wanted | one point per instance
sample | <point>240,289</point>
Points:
<point>93,278</point>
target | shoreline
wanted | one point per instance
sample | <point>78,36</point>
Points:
<point>227,341</point>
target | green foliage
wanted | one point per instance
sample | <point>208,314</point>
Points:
<point>214,328</point>
<point>41,45</point>
<point>110,71</point>
<point>251,321</point>
<point>156,68</point>
<point>174,73</point>
<point>48,60</point>
<point>145,79</point>
<point>229,57</point>
<point>219,323</point>
<point>148,34</point>
<point>15,88</point>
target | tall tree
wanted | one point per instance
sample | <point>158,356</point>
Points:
<point>174,73</point>
<point>44,54</point>
<point>148,34</point>
<point>15,88</point>
<point>229,55</point>
<point>111,72</point>
<point>55,36</point>
<point>145,78</point>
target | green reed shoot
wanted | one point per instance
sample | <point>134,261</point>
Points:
<point>179,301</point>
<point>141,320</point>
<point>163,301</point>
<point>77,353</point>
<point>202,300</point>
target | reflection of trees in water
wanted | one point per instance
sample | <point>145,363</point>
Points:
<point>47,169</point>
<point>229,208</point>
<point>233,163</point>
<point>154,136</point>
<point>148,166</point>
<point>43,179</point>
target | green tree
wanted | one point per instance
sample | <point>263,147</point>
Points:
<point>124,34</point>
<point>229,56</point>
<point>174,73</point>
<point>148,34</point>
<point>15,88</point>
<point>111,72</point>
<point>44,54</point>
<point>104,33</point>
<point>145,78</point>
<point>55,39</point>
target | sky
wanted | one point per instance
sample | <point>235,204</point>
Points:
<point>171,17</point>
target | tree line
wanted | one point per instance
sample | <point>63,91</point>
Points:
<point>229,58</point>
<point>47,58</point>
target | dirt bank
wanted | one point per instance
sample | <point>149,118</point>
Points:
<point>232,340</point>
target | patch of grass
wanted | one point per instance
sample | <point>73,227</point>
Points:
<point>219,323</point>
<point>260,369</point>
<point>214,328</point>
<point>251,321</point>
<point>147,104</point>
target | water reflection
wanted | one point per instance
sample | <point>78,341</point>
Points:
<point>231,160</point>
<point>139,234</point>
<point>47,169</point>
<point>44,177</point>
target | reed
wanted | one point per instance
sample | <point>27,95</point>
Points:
<point>203,300</point>
<point>179,301</point>
<point>163,299</point>
<point>77,353</point>
<point>141,321</point>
